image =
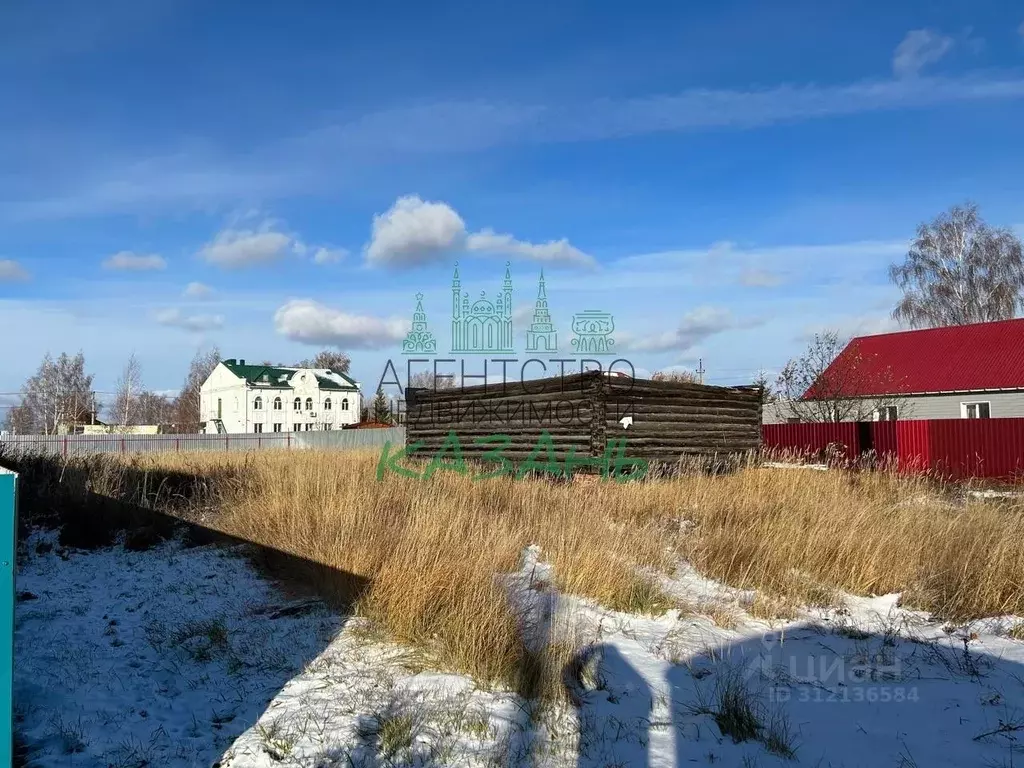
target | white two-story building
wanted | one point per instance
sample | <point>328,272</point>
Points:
<point>238,398</point>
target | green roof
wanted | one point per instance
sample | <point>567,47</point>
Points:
<point>326,383</point>
<point>253,374</point>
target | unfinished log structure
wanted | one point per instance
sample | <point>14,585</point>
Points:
<point>669,420</point>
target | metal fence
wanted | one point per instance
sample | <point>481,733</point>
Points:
<point>81,445</point>
<point>951,448</point>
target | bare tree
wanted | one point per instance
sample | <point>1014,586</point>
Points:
<point>20,420</point>
<point>959,271</point>
<point>199,371</point>
<point>811,389</point>
<point>427,380</point>
<point>330,359</point>
<point>59,395</point>
<point>152,408</point>
<point>685,377</point>
<point>129,387</point>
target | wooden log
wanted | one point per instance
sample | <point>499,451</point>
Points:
<point>684,438</point>
<point>684,402</point>
<point>580,426</point>
<point>508,389</point>
<point>720,416</point>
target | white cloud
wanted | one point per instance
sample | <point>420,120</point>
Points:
<point>753,277</point>
<point>325,255</point>
<point>11,271</point>
<point>197,291</point>
<point>694,328</point>
<point>238,248</point>
<point>919,49</point>
<point>414,231</point>
<point>553,251</point>
<point>134,262</point>
<point>175,318</point>
<point>310,322</point>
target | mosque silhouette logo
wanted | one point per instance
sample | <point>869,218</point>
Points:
<point>485,326</point>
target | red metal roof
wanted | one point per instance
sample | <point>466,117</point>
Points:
<point>959,358</point>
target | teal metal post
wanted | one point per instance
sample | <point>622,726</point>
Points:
<point>8,541</point>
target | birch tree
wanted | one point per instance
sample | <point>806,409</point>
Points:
<point>60,394</point>
<point>330,359</point>
<point>959,270</point>
<point>427,380</point>
<point>129,388</point>
<point>151,408</point>
<point>20,420</point>
<point>199,370</point>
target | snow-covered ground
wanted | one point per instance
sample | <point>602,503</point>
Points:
<point>185,656</point>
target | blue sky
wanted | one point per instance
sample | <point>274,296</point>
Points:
<point>724,178</point>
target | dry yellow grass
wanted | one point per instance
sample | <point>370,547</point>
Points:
<point>433,551</point>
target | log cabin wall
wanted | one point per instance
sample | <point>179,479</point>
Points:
<point>523,410</point>
<point>670,420</point>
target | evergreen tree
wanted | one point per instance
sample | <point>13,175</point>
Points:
<point>381,408</point>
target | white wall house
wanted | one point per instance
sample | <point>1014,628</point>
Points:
<point>238,398</point>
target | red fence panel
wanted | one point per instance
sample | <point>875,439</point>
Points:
<point>885,440</point>
<point>965,448</point>
<point>957,449</point>
<point>913,440</point>
<point>811,438</point>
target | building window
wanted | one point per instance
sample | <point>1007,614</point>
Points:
<point>886,413</point>
<point>296,427</point>
<point>309,403</point>
<point>297,405</point>
<point>344,404</point>
<point>793,420</point>
<point>219,409</point>
<point>277,427</point>
<point>327,404</point>
<point>979,410</point>
<point>257,428</point>
<point>309,427</point>
<point>277,403</point>
<point>327,427</point>
<point>257,404</point>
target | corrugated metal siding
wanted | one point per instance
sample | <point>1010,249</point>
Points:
<point>962,448</point>
<point>885,440</point>
<point>913,445</point>
<point>80,445</point>
<point>951,448</point>
<point>811,438</point>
